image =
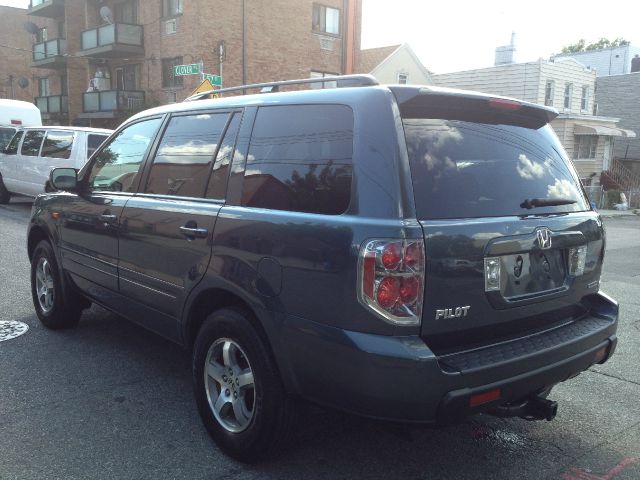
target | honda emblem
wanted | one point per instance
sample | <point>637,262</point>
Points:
<point>544,238</point>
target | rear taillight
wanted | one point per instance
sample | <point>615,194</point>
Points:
<point>391,279</point>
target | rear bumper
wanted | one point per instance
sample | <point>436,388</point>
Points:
<point>400,378</point>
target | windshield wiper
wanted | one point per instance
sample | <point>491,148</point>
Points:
<point>530,203</point>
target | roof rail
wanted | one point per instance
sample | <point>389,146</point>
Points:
<point>341,81</point>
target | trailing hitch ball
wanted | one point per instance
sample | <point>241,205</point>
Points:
<point>533,408</point>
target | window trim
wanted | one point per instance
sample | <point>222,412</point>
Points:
<point>325,7</point>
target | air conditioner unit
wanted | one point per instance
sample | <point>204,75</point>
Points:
<point>170,26</point>
<point>326,43</point>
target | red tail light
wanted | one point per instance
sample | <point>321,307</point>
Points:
<point>504,104</point>
<point>391,279</point>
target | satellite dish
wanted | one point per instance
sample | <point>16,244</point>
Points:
<point>106,14</point>
<point>23,82</point>
<point>31,28</point>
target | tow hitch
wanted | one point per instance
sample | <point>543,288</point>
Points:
<point>532,408</point>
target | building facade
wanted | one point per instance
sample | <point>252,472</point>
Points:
<point>18,81</point>
<point>607,61</point>
<point>116,57</point>
<point>619,95</point>
<point>564,84</point>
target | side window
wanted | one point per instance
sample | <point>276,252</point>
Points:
<point>12,148</point>
<point>93,142</point>
<point>115,167</point>
<point>57,144</point>
<point>218,180</point>
<point>6,134</point>
<point>185,155</point>
<point>300,159</point>
<point>32,142</point>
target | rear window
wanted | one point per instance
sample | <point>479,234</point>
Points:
<point>6,134</point>
<point>468,169</point>
<point>57,144</point>
<point>93,142</point>
<point>300,159</point>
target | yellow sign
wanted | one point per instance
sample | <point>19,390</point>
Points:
<point>205,86</point>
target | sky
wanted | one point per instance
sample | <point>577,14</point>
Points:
<point>452,35</point>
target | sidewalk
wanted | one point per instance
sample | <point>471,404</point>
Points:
<point>616,213</point>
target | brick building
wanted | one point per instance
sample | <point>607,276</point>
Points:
<point>110,58</point>
<point>15,54</point>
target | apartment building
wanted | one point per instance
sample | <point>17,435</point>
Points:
<point>111,58</point>
<point>564,84</point>
<point>18,80</point>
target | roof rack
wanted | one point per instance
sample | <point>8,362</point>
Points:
<point>270,87</point>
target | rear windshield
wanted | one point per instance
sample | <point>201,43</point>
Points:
<point>464,169</point>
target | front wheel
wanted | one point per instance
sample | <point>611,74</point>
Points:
<point>240,396</point>
<point>56,308</point>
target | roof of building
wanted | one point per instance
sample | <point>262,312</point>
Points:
<point>372,57</point>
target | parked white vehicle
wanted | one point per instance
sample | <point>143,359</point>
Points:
<point>33,152</point>
<point>15,114</point>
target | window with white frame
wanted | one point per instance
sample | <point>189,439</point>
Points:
<point>548,92</point>
<point>403,78</point>
<point>585,147</point>
<point>584,101</point>
<point>325,19</point>
<point>316,74</point>
<point>568,93</point>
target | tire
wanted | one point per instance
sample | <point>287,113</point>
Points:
<point>57,307</point>
<point>254,420</point>
<point>5,196</point>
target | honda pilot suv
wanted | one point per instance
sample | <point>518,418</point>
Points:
<point>400,252</point>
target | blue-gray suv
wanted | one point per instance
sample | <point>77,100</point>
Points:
<point>400,252</point>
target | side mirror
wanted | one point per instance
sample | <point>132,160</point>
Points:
<point>64,179</point>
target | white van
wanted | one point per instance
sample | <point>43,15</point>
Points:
<point>34,151</point>
<point>15,114</point>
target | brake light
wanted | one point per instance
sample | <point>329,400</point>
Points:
<point>504,104</point>
<point>485,397</point>
<point>16,122</point>
<point>391,279</point>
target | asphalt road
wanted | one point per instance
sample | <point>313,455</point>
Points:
<point>109,400</point>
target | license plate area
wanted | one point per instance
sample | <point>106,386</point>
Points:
<point>538,272</point>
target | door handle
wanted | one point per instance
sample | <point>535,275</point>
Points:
<point>108,218</point>
<point>194,232</point>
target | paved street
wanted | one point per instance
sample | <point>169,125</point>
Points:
<point>109,400</point>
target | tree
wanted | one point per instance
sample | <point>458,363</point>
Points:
<point>582,45</point>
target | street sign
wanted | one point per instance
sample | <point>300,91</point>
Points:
<point>181,70</point>
<point>205,86</point>
<point>214,79</point>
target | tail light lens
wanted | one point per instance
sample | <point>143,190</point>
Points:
<point>391,279</point>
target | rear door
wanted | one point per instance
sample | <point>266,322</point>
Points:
<point>512,246</point>
<point>166,230</point>
<point>27,162</point>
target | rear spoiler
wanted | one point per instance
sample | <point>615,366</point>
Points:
<point>451,104</point>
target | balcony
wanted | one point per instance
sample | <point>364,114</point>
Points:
<point>114,40</point>
<point>110,103</point>
<point>46,8</point>
<point>50,54</point>
<point>54,105</point>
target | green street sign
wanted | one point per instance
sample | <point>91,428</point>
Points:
<point>214,79</point>
<point>192,69</point>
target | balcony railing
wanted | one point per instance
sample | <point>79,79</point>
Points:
<point>112,100</point>
<point>53,104</point>
<point>116,36</point>
<point>49,52</point>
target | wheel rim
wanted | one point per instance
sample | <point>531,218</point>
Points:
<point>228,380</point>
<point>44,285</point>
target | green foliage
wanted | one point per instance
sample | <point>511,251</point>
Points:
<point>582,45</point>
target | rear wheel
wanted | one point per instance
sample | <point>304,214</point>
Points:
<point>238,390</point>
<point>5,196</point>
<point>56,307</point>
